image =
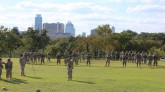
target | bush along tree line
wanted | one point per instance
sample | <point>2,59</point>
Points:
<point>12,43</point>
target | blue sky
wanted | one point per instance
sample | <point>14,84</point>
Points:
<point>137,15</point>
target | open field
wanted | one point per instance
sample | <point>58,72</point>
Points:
<point>96,78</point>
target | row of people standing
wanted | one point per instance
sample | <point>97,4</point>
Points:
<point>76,57</point>
<point>131,56</point>
<point>36,57</point>
<point>135,57</point>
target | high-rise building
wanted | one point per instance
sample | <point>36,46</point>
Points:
<point>53,29</point>
<point>113,29</point>
<point>60,27</point>
<point>38,22</point>
<point>84,34</point>
<point>93,32</point>
<point>70,28</point>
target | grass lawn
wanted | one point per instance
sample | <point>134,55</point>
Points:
<point>94,78</point>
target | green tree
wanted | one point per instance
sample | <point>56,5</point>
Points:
<point>9,41</point>
<point>103,30</point>
<point>15,31</point>
<point>34,40</point>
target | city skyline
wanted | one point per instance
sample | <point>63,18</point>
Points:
<point>136,15</point>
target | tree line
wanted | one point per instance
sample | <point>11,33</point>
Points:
<point>12,42</point>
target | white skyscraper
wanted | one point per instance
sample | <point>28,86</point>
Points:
<point>70,28</point>
<point>38,22</point>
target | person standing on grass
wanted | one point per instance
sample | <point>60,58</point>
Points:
<point>22,62</point>
<point>138,59</point>
<point>145,58</point>
<point>155,59</point>
<point>88,59</point>
<point>150,58</point>
<point>108,57</point>
<point>58,57</point>
<point>1,67</point>
<point>48,57</point>
<point>70,68</point>
<point>8,67</point>
<point>43,58</point>
<point>124,60</point>
<point>75,57</point>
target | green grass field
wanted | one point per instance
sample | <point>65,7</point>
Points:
<point>96,78</point>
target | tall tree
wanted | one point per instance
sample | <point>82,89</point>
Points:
<point>103,30</point>
<point>9,41</point>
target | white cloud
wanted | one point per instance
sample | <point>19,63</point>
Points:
<point>143,1</point>
<point>23,13</point>
<point>70,7</point>
<point>146,8</point>
<point>117,1</point>
<point>2,7</point>
<point>137,1</point>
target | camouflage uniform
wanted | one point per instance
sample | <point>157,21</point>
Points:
<point>35,57</point>
<point>26,56</point>
<point>42,59</point>
<point>124,60</point>
<point>70,67</point>
<point>58,57</point>
<point>116,55</point>
<point>88,59</point>
<point>132,56</point>
<point>39,57</point>
<point>22,62</point>
<point>145,58</point>
<point>155,58</point>
<point>113,55</point>
<point>8,67</point>
<point>129,56</point>
<point>108,57</point>
<point>150,58</point>
<point>75,57</point>
<point>83,55</point>
<point>48,56</point>
<point>138,58</point>
<point>31,56</point>
<point>121,55</point>
<point>79,56</point>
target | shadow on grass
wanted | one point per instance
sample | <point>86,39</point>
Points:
<point>33,77</point>
<point>15,81</point>
<point>84,82</point>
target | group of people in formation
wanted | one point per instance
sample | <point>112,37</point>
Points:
<point>74,58</point>
<point>134,57</point>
